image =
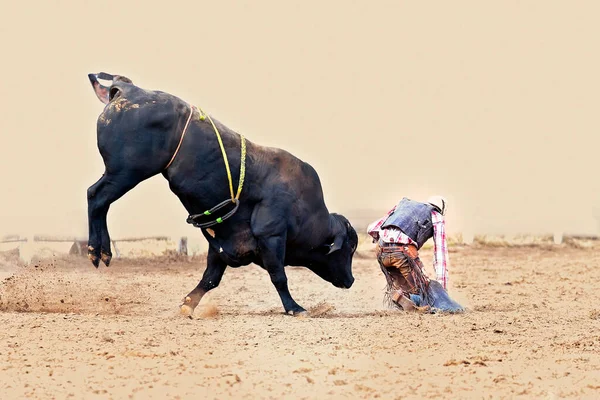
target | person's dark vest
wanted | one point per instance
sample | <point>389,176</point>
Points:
<point>412,218</point>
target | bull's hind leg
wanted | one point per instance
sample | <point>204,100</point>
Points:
<point>100,196</point>
<point>215,268</point>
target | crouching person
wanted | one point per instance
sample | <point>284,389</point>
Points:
<point>399,236</point>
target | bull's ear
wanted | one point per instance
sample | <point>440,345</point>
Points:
<point>338,241</point>
<point>100,89</point>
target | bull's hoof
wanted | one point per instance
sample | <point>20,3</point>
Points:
<point>186,308</point>
<point>93,255</point>
<point>301,312</point>
<point>94,259</point>
<point>106,258</point>
<point>186,311</point>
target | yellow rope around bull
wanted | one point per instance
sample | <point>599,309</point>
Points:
<point>235,198</point>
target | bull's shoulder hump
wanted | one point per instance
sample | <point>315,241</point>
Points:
<point>286,165</point>
<point>273,154</point>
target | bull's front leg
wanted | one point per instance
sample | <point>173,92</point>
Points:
<point>215,268</point>
<point>100,196</point>
<point>273,256</point>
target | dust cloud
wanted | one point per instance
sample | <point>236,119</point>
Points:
<point>491,105</point>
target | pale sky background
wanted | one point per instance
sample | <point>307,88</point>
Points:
<point>494,106</point>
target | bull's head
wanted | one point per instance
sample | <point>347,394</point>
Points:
<point>335,262</point>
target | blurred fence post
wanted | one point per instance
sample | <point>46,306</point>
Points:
<point>182,248</point>
<point>116,249</point>
<point>26,249</point>
<point>75,248</point>
<point>558,237</point>
<point>79,247</point>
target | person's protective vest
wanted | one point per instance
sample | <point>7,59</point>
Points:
<point>414,219</point>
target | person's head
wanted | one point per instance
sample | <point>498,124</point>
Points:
<point>439,203</point>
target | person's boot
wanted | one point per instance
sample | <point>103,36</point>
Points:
<point>404,302</point>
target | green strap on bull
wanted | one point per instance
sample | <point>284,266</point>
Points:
<point>234,199</point>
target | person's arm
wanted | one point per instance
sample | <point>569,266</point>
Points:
<point>373,228</point>
<point>440,252</point>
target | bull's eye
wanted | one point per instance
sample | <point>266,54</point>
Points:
<point>114,92</point>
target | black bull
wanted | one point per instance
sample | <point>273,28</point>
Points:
<point>281,220</point>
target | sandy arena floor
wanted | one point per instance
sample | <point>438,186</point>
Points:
<point>532,330</point>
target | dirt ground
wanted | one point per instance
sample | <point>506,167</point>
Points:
<point>71,331</point>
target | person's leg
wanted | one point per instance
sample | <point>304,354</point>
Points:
<point>440,300</point>
<point>398,270</point>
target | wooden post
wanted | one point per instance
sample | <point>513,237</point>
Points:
<point>183,250</point>
<point>558,237</point>
<point>26,249</point>
<point>75,248</point>
<point>117,252</point>
<point>79,247</point>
